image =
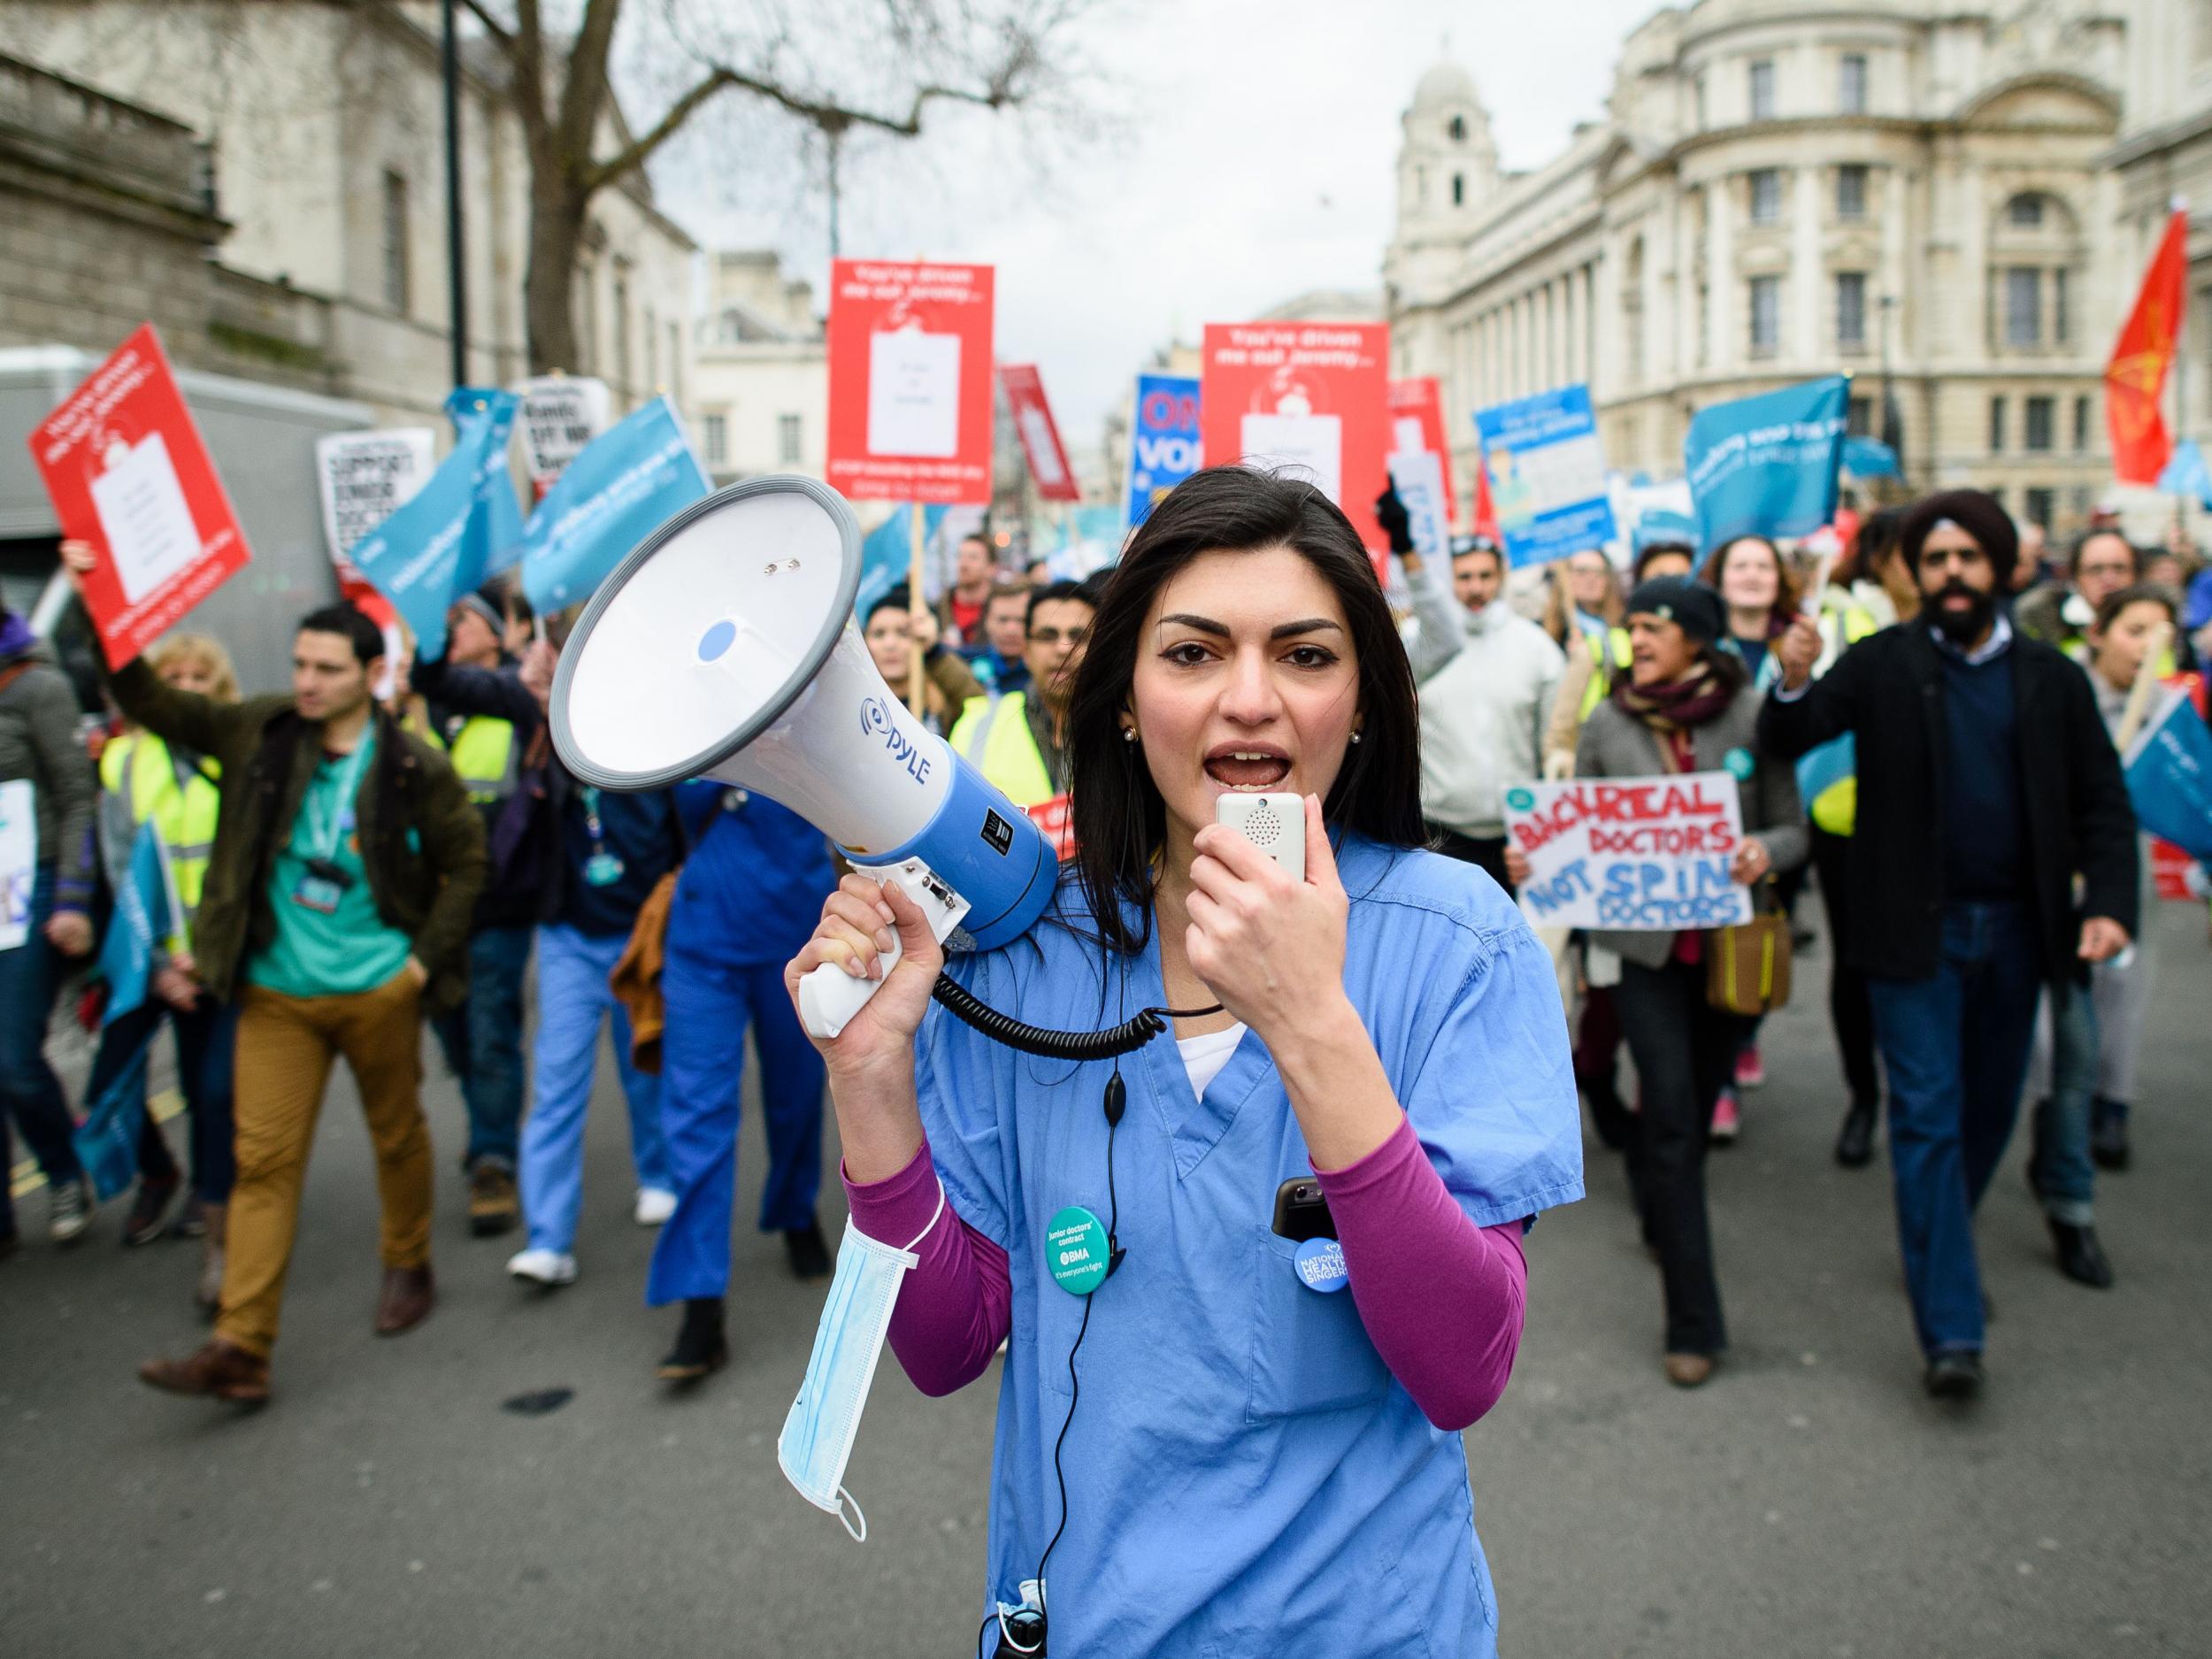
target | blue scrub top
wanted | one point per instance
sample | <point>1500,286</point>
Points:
<point>751,891</point>
<point>1244,1475</point>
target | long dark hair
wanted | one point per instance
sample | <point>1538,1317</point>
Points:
<point>1119,818</point>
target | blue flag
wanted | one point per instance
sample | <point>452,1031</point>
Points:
<point>495,534</point>
<point>2170,779</point>
<point>622,486</point>
<point>436,548</point>
<point>1767,465</point>
<point>1868,457</point>
<point>886,555</point>
<point>1163,447</point>
<point>145,917</point>
<point>2186,474</point>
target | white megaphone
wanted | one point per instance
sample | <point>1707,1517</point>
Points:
<point>724,647</point>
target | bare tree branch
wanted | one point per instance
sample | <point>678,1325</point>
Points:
<point>584,87</point>
<point>498,31</point>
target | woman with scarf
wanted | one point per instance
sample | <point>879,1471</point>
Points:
<point>1686,706</point>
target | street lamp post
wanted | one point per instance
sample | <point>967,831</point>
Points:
<point>1892,425</point>
<point>456,275</point>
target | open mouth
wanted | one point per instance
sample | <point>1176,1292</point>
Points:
<point>1251,769</point>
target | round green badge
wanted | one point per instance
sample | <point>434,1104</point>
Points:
<point>1075,1251</point>
<point>1739,763</point>
<point>1519,799</point>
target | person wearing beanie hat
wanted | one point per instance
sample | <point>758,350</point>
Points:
<point>1987,788</point>
<point>1685,706</point>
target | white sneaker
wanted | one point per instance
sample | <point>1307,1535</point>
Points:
<point>548,1268</point>
<point>655,1205</point>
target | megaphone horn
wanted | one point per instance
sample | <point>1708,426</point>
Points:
<point>724,646</point>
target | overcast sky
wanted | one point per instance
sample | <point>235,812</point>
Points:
<point>1254,158</point>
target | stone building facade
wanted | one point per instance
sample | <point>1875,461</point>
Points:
<point>1911,191</point>
<point>322,134</point>
<point>762,391</point>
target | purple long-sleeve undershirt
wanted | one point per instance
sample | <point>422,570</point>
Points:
<point>1442,1299</point>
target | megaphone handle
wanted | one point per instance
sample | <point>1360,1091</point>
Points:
<point>829,996</point>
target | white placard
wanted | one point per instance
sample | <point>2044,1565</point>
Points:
<point>367,476</point>
<point>143,516</point>
<point>1312,445</point>
<point>914,393</point>
<point>1418,475</point>
<point>19,862</point>
<point>558,414</point>
<point>1640,855</point>
<point>1042,447</point>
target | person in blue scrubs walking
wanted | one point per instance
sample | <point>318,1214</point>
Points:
<point>1201,1449</point>
<point>745,903</point>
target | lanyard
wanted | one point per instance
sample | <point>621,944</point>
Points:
<point>592,826</point>
<point>324,841</point>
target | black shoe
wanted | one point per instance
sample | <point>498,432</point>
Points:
<point>2109,1136</point>
<point>809,1256</point>
<point>1608,1114</point>
<point>1955,1374</point>
<point>150,1209</point>
<point>1855,1141</point>
<point>700,1348</point>
<point>2080,1257</point>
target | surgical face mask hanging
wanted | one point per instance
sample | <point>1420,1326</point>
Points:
<point>824,1421</point>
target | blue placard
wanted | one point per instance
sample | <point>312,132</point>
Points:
<point>1767,465</point>
<point>2170,779</point>
<point>621,486</point>
<point>1163,443</point>
<point>439,544</point>
<point>1547,475</point>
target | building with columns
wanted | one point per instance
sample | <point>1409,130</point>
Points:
<point>1777,193</point>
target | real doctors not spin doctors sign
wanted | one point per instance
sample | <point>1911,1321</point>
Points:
<point>1631,854</point>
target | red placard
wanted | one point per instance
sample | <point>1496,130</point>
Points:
<point>1308,396</point>
<point>122,460</point>
<point>1421,400</point>
<point>1039,434</point>
<point>910,381</point>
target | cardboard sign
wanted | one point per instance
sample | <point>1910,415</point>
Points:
<point>1305,398</point>
<point>123,462</point>
<point>1417,424</point>
<point>1039,436</point>
<point>1164,443</point>
<point>1767,465</point>
<point>19,862</point>
<point>910,381</point>
<point>1631,854</point>
<point>558,416</point>
<point>365,477</point>
<point>1547,475</point>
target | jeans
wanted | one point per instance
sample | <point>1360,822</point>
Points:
<point>482,1040</point>
<point>206,1036</point>
<point>2064,1068</point>
<point>1848,1010</point>
<point>703,1055</point>
<point>1685,1049</point>
<point>30,1092</point>
<point>1955,1047</point>
<point>574,1002</point>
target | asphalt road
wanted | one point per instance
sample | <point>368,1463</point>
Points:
<point>1811,1501</point>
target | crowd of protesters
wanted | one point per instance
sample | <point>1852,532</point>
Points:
<point>1925,731</point>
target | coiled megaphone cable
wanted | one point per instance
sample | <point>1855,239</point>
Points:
<point>1126,1038</point>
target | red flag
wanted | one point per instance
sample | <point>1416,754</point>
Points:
<point>2135,378</point>
<point>1485,510</point>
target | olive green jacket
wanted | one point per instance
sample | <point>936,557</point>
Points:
<point>422,843</point>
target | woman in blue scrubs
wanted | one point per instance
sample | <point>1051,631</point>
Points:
<point>1236,1442</point>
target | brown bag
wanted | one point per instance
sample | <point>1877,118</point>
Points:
<point>635,980</point>
<point>1747,966</point>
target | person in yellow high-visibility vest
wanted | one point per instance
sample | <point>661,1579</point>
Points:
<point>1018,740</point>
<point>144,780</point>
<point>483,1038</point>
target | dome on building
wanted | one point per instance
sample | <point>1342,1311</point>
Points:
<point>1446,84</point>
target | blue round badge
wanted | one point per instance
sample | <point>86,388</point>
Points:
<point>1076,1252</point>
<point>1520,799</point>
<point>1321,1265</point>
<point>1739,763</point>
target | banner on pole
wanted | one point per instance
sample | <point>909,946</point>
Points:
<point>1163,440</point>
<point>2169,777</point>
<point>1546,473</point>
<point>1307,399</point>
<point>910,381</point>
<point>123,462</point>
<point>1633,854</point>
<point>618,491</point>
<point>1767,465</point>
<point>433,548</point>
<point>495,534</point>
<point>1039,434</point>
<point>558,414</point>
